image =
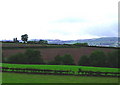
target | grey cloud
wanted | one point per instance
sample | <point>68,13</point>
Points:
<point>104,30</point>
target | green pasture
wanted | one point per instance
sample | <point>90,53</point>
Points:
<point>62,67</point>
<point>35,78</point>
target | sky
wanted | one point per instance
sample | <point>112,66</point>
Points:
<point>58,19</point>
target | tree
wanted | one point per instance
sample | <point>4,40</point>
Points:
<point>4,59</point>
<point>24,38</point>
<point>98,58</point>
<point>15,40</point>
<point>42,42</point>
<point>84,61</point>
<point>81,44</point>
<point>58,60</point>
<point>51,62</point>
<point>68,60</point>
<point>112,59</point>
<point>34,57</point>
<point>31,42</point>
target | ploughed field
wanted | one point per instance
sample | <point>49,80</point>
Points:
<point>48,52</point>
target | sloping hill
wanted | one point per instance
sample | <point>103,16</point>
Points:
<point>104,41</point>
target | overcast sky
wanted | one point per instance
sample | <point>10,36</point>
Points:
<point>58,19</point>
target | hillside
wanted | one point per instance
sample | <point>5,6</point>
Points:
<point>104,41</point>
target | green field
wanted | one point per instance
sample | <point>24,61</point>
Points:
<point>40,78</point>
<point>61,67</point>
<point>34,78</point>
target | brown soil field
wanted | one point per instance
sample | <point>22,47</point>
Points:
<point>19,45</point>
<point>49,53</point>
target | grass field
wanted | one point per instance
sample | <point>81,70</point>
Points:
<point>34,78</point>
<point>61,67</point>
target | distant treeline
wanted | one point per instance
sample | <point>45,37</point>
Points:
<point>44,42</point>
<point>95,59</point>
<point>29,42</point>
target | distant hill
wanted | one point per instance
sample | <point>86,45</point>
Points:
<point>104,41</point>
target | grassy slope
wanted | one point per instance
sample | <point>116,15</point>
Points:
<point>34,78</point>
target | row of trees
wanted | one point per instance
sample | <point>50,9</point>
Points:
<point>100,59</point>
<point>67,59</point>
<point>81,44</point>
<point>97,59</point>
<point>34,57</point>
<point>29,57</point>
<point>38,42</point>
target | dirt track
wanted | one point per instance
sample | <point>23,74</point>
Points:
<point>50,53</point>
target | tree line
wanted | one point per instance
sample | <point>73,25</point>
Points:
<point>100,59</point>
<point>24,38</point>
<point>95,59</point>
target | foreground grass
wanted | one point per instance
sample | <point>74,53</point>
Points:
<point>35,78</point>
